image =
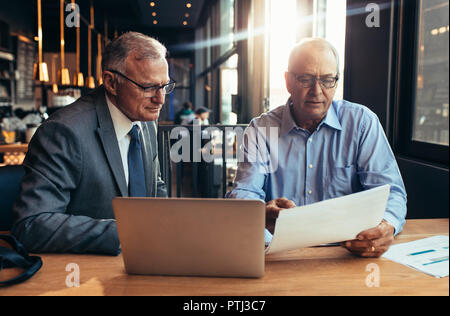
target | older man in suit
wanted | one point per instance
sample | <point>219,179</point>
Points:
<point>101,146</point>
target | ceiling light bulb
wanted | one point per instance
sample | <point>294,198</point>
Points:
<point>188,5</point>
<point>184,23</point>
<point>153,13</point>
<point>155,22</point>
<point>152,4</point>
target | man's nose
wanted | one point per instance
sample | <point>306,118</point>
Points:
<point>159,97</point>
<point>316,89</point>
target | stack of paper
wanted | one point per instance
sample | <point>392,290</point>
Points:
<point>429,255</point>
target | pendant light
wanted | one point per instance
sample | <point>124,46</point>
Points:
<point>64,73</point>
<point>91,80</point>
<point>40,69</point>
<point>78,78</point>
<point>54,84</point>
<point>99,60</point>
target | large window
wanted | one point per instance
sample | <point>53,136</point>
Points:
<point>422,124</point>
<point>228,89</point>
<point>216,62</point>
<point>282,38</point>
<point>180,71</point>
<point>226,25</point>
<point>289,23</point>
<point>335,19</point>
<point>431,101</point>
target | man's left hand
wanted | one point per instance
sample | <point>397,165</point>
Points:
<point>373,242</point>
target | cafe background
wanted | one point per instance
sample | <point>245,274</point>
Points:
<point>230,56</point>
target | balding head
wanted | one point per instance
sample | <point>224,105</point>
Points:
<point>312,46</point>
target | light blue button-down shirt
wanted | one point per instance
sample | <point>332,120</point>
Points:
<point>347,153</point>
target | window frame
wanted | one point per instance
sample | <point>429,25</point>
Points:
<point>404,144</point>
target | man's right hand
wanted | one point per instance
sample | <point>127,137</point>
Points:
<point>273,208</point>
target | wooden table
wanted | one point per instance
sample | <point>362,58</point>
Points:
<point>310,271</point>
<point>13,148</point>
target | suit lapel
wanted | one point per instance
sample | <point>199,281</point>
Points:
<point>109,141</point>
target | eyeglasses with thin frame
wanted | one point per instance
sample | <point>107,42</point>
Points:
<point>308,81</point>
<point>150,90</point>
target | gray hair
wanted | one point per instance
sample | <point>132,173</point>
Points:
<point>118,50</point>
<point>318,42</point>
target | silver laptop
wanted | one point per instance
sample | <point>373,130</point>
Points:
<point>191,237</point>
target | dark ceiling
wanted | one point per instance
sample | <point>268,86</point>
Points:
<point>119,15</point>
<point>170,13</point>
<point>125,15</point>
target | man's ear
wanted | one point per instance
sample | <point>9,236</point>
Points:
<point>288,82</point>
<point>110,83</point>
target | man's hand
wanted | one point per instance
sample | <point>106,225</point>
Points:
<point>372,242</point>
<point>273,208</point>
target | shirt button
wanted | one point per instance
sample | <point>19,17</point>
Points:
<point>309,192</point>
<point>310,140</point>
<point>310,166</point>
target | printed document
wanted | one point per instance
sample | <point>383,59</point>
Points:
<point>429,255</point>
<point>329,221</point>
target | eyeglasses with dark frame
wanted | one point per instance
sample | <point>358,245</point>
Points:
<point>308,81</point>
<point>151,90</point>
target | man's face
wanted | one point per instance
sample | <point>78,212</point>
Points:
<point>311,103</point>
<point>130,98</point>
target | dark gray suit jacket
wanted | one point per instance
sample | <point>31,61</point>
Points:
<point>73,171</point>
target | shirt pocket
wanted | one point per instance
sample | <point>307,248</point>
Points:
<point>340,181</point>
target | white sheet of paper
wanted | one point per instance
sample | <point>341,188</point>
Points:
<point>428,255</point>
<point>329,221</point>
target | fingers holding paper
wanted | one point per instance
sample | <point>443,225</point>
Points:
<point>372,242</point>
<point>273,208</point>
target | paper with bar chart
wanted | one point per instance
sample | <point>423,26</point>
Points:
<point>429,255</point>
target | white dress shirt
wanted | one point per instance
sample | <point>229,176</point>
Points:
<point>122,126</point>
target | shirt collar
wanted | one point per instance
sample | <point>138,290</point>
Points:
<point>288,122</point>
<point>122,124</point>
<point>331,119</point>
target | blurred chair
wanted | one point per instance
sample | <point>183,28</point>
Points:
<point>208,179</point>
<point>10,178</point>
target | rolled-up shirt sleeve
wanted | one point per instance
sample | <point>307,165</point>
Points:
<point>377,166</point>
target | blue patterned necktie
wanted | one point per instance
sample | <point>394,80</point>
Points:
<point>136,183</point>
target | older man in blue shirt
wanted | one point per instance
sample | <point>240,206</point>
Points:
<point>325,149</point>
